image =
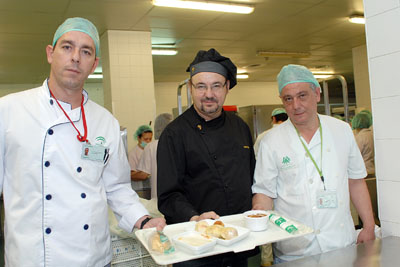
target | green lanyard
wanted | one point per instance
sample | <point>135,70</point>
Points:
<point>311,157</point>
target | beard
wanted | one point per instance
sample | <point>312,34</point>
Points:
<point>209,110</point>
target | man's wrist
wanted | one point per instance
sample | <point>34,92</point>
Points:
<point>143,223</point>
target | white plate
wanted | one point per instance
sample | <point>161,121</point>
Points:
<point>242,232</point>
<point>182,241</point>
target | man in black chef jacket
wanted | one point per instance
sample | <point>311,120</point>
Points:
<point>205,156</point>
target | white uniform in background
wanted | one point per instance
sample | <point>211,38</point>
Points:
<point>55,201</point>
<point>365,142</point>
<point>134,157</point>
<point>148,164</point>
<point>258,140</point>
<point>285,173</point>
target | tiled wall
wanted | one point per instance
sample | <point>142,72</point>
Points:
<point>383,45</point>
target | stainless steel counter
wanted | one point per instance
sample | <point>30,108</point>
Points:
<point>380,252</point>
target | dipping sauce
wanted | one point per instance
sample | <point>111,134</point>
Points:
<point>258,215</point>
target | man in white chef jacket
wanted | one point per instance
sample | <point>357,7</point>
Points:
<point>62,161</point>
<point>306,168</point>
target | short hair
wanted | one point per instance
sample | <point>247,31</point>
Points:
<point>281,117</point>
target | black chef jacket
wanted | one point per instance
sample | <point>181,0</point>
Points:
<point>204,166</point>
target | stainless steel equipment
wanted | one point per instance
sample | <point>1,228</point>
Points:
<point>378,253</point>
<point>258,118</point>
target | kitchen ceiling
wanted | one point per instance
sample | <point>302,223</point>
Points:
<point>316,27</point>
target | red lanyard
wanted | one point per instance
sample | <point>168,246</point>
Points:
<point>79,136</point>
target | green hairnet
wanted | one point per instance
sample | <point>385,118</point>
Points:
<point>361,121</point>
<point>160,123</point>
<point>339,117</point>
<point>80,25</point>
<point>295,74</point>
<point>142,129</point>
<point>366,111</point>
<point>278,111</point>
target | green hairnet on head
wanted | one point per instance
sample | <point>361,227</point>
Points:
<point>366,111</point>
<point>80,25</point>
<point>339,117</point>
<point>142,129</point>
<point>361,121</point>
<point>295,74</point>
<point>278,111</point>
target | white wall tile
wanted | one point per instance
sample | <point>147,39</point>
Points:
<point>384,83</point>
<point>390,228</point>
<point>388,198</point>
<point>385,112</point>
<point>374,7</point>
<point>382,33</point>
<point>386,159</point>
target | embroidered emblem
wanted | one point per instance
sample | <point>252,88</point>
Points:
<point>286,160</point>
<point>199,126</point>
<point>100,140</point>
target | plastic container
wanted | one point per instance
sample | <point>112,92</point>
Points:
<point>193,242</point>
<point>256,220</point>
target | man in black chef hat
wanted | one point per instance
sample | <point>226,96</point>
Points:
<point>205,156</point>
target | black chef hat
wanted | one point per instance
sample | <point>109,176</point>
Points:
<point>212,61</point>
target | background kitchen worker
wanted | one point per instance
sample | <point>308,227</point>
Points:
<point>306,168</point>
<point>143,135</point>
<point>55,196</point>
<point>278,115</point>
<point>148,162</point>
<point>205,156</point>
<point>361,123</point>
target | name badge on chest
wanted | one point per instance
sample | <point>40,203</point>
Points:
<point>327,199</point>
<point>95,153</point>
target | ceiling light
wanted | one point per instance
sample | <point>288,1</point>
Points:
<point>283,54</point>
<point>164,52</point>
<point>206,5</point>
<point>357,18</point>
<point>322,76</point>
<point>96,76</point>
<point>242,76</point>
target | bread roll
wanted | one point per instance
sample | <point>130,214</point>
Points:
<point>155,243</point>
<point>201,226</point>
<point>228,233</point>
<point>214,230</point>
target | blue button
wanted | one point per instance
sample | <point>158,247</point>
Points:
<point>50,132</point>
<point>48,197</point>
<point>51,101</point>
<point>83,195</point>
<point>47,163</point>
<point>86,227</point>
<point>79,169</point>
<point>48,230</point>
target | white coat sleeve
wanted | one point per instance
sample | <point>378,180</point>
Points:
<point>121,198</point>
<point>266,171</point>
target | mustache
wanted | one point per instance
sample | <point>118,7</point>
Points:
<point>209,99</point>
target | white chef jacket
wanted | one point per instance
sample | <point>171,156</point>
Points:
<point>55,201</point>
<point>148,164</point>
<point>365,142</point>
<point>134,157</point>
<point>285,173</point>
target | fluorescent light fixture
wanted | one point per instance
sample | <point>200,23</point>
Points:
<point>358,19</point>
<point>242,76</point>
<point>96,76</point>
<point>322,76</point>
<point>164,52</point>
<point>283,54</point>
<point>206,5</point>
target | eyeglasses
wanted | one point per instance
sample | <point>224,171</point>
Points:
<point>215,87</point>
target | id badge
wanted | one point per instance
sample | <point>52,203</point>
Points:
<point>95,153</point>
<point>327,199</point>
